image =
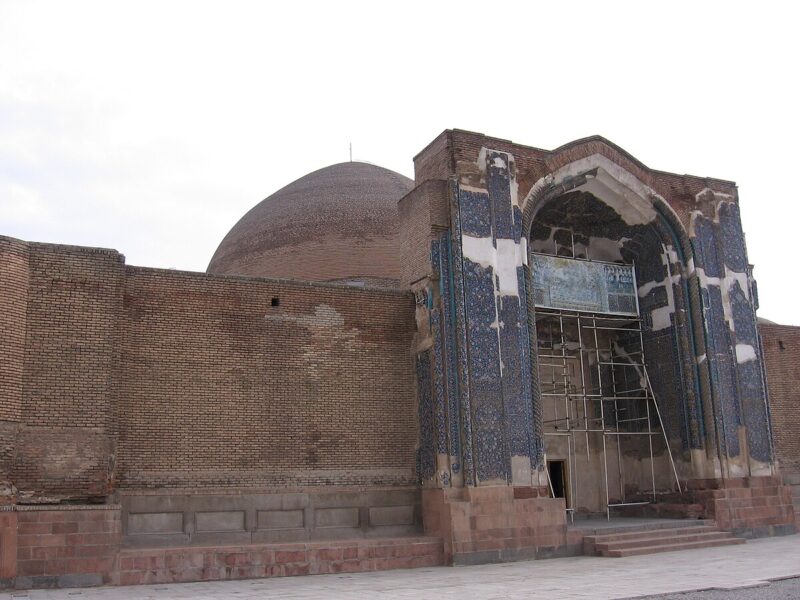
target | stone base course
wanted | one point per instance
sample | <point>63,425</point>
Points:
<point>168,565</point>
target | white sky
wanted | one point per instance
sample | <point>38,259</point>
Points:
<point>152,127</point>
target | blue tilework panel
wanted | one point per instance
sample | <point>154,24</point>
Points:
<point>439,399</point>
<point>514,399</point>
<point>426,460</point>
<point>498,184</point>
<point>475,213</point>
<point>705,247</point>
<point>436,256</point>
<point>732,239</point>
<point>491,457</point>
<point>460,334</point>
<point>450,358</point>
<point>723,374</point>
<point>535,442</point>
<point>661,350</point>
<point>744,322</point>
<point>751,388</point>
<point>755,410</point>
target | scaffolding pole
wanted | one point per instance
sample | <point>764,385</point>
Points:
<point>624,409</point>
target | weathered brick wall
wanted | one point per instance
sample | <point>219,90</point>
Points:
<point>151,377</point>
<point>422,212</point>
<point>781,345</point>
<point>65,446</point>
<point>13,306</point>
<point>221,388</point>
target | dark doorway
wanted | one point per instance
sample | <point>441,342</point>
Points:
<point>558,480</point>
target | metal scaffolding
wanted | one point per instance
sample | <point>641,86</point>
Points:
<point>596,392</point>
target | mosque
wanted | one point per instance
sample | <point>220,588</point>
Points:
<point>508,357</point>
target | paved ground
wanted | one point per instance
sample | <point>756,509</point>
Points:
<point>593,578</point>
<point>784,589</point>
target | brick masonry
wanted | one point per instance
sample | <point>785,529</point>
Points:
<point>781,344</point>
<point>125,377</point>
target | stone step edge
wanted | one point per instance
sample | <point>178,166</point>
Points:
<point>673,548</point>
<point>666,541</point>
<point>687,523</point>
<point>601,539</point>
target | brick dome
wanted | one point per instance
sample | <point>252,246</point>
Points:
<point>336,224</point>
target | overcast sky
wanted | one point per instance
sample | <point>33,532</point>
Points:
<point>152,127</point>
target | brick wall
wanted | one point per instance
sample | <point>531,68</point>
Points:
<point>158,378</point>
<point>781,345</point>
<point>72,305</point>
<point>13,306</point>
<point>422,212</point>
<point>218,387</point>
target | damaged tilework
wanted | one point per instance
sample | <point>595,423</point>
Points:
<point>426,461</point>
<point>460,333</point>
<point>579,223</point>
<point>450,359</point>
<point>718,340</point>
<point>439,399</point>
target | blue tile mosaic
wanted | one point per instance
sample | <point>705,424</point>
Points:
<point>439,399</point>
<point>498,184</point>
<point>460,334</point>
<point>451,360</point>
<point>491,457</point>
<point>475,213</point>
<point>732,238</point>
<point>426,459</point>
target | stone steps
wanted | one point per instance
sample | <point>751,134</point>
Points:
<point>672,547</point>
<point>651,541</point>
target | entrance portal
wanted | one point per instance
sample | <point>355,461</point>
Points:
<point>601,422</point>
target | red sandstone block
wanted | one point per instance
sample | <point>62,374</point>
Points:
<point>31,567</point>
<point>149,562</point>
<point>290,556</point>
<point>234,559</point>
<point>34,528</point>
<point>126,563</point>
<point>66,527</point>
<point>131,578</point>
<point>349,552</point>
<point>326,554</point>
<point>183,560</point>
<point>296,569</point>
<point>89,564</point>
<point>267,556</point>
<point>384,551</point>
<point>41,540</point>
<point>93,527</point>
<point>92,551</point>
<point>352,566</point>
<point>430,560</point>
